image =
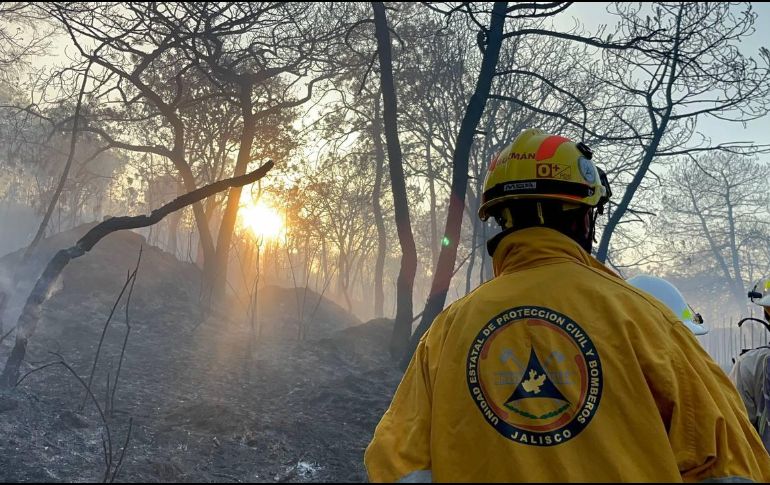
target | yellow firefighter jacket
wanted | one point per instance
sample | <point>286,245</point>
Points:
<point>557,370</point>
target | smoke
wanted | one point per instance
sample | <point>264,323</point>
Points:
<point>16,283</point>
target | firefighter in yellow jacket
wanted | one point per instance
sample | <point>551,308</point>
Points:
<point>557,370</point>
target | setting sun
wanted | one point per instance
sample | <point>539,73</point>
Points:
<point>262,219</point>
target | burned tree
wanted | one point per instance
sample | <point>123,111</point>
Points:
<point>282,53</point>
<point>689,69</point>
<point>135,75</point>
<point>30,316</point>
<point>67,166</point>
<point>403,325</point>
<point>714,220</point>
<point>492,42</point>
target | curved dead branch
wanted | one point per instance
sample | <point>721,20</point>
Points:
<point>30,315</point>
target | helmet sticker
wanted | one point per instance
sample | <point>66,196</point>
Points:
<point>553,170</point>
<point>521,156</point>
<point>540,393</point>
<point>687,313</point>
<point>513,187</point>
<point>587,170</point>
<point>549,146</point>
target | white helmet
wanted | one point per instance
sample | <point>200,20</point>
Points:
<point>670,296</point>
<point>762,297</point>
<point>765,300</point>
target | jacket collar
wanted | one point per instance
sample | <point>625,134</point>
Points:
<point>535,246</point>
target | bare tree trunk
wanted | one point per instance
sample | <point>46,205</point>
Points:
<point>738,284</point>
<point>715,249</point>
<point>30,315</point>
<point>403,325</point>
<point>446,261</point>
<point>324,261</point>
<point>65,173</point>
<point>479,233</point>
<point>256,325</point>
<point>230,215</point>
<point>379,265</point>
<point>206,257</point>
<point>205,241</point>
<point>620,210</point>
<point>341,268</point>
<point>472,259</point>
<point>434,245</point>
<point>172,242</point>
<point>659,130</point>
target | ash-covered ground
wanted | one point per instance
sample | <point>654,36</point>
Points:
<point>207,402</point>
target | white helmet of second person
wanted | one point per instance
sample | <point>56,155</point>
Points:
<point>670,296</point>
<point>760,295</point>
<point>765,300</point>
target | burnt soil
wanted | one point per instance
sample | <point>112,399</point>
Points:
<point>208,403</point>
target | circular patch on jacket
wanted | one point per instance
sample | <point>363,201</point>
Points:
<point>535,376</point>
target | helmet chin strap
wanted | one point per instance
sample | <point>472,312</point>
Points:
<point>581,230</point>
<point>591,217</point>
<point>584,234</point>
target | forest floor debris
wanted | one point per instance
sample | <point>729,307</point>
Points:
<point>207,404</point>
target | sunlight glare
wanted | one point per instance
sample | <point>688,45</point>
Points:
<point>263,220</point>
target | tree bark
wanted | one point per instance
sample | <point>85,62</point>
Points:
<point>172,243</point>
<point>620,210</point>
<point>226,229</point>
<point>446,261</point>
<point>403,324</point>
<point>342,270</point>
<point>475,196</point>
<point>739,286</point>
<point>205,240</point>
<point>434,245</point>
<point>472,259</point>
<point>379,265</point>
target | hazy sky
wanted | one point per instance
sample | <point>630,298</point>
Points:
<point>594,14</point>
